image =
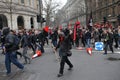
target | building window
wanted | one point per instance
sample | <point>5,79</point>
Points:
<point>113,1</point>
<point>113,11</point>
<point>107,12</point>
<point>100,3</point>
<point>29,2</point>
<point>37,6</point>
<point>22,1</point>
<point>106,2</point>
<point>100,14</point>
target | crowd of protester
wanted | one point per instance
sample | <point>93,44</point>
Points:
<point>60,38</point>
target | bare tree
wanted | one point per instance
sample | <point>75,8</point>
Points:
<point>60,17</point>
<point>50,6</point>
<point>9,5</point>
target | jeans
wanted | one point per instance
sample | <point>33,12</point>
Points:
<point>12,57</point>
<point>119,41</point>
<point>41,47</point>
<point>33,47</point>
<point>25,54</point>
<point>54,43</point>
<point>88,41</point>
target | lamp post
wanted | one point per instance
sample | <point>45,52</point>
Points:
<point>40,12</point>
<point>11,13</point>
<point>87,8</point>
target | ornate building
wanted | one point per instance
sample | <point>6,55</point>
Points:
<point>73,10</point>
<point>108,9</point>
<point>18,14</point>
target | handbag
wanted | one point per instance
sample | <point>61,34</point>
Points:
<point>69,53</point>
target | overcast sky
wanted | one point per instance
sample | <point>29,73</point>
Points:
<point>61,2</point>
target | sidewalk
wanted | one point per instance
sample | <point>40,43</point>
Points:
<point>14,69</point>
<point>2,58</point>
<point>2,65</point>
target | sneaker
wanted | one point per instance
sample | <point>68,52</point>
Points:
<point>70,68</point>
<point>24,69</point>
<point>105,54</point>
<point>59,75</point>
<point>29,61</point>
<point>24,63</point>
<point>6,75</point>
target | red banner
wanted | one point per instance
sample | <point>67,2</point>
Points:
<point>74,37</point>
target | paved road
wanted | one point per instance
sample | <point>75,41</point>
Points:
<point>86,67</point>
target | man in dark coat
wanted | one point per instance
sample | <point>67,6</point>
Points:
<point>64,46</point>
<point>10,51</point>
<point>108,40</point>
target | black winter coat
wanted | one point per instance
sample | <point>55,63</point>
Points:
<point>9,43</point>
<point>65,45</point>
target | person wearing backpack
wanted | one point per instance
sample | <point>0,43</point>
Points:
<point>10,51</point>
<point>17,43</point>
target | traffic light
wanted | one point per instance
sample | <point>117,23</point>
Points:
<point>104,20</point>
<point>38,18</point>
<point>118,17</point>
<point>43,20</point>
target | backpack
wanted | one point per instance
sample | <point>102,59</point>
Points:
<point>17,42</point>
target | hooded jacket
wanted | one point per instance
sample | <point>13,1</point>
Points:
<point>64,45</point>
<point>9,42</point>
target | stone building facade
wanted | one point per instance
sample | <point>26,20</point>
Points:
<point>104,8</point>
<point>19,14</point>
<point>73,11</point>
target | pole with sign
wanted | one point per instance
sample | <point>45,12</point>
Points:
<point>99,46</point>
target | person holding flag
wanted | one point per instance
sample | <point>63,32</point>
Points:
<point>76,35</point>
<point>90,24</point>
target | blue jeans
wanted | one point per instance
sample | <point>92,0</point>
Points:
<point>54,43</point>
<point>11,57</point>
<point>119,41</point>
<point>88,41</point>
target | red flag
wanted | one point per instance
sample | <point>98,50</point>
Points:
<point>74,37</point>
<point>77,25</point>
<point>46,28</point>
<point>91,20</point>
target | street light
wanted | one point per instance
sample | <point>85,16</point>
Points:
<point>11,13</point>
<point>40,12</point>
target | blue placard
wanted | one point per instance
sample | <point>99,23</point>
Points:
<point>99,46</point>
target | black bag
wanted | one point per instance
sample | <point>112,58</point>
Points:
<point>17,42</point>
<point>69,53</point>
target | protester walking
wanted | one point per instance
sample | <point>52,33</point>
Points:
<point>108,40</point>
<point>10,51</point>
<point>116,38</point>
<point>24,45</point>
<point>64,47</point>
<point>88,38</point>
